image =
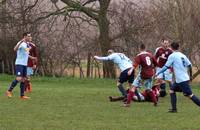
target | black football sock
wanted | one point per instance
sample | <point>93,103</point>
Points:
<point>173,100</point>
<point>195,100</point>
<point>122,90</point>
<point>13,84</point>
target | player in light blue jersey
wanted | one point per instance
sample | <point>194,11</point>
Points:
<point>22,49</point>
<point>180,64</point>
<point>124,64</point>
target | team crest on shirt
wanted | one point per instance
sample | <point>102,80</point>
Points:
<point>166,52</point>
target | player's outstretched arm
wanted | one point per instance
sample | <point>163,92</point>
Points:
<point>101,58</point>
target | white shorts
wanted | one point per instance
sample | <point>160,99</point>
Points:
<point>167,75</point>
<point>29,71</point>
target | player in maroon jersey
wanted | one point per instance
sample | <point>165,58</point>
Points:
<point>140,96</point>
<point>146,62</point>
<point>32,64</point>
<point>162,53</point>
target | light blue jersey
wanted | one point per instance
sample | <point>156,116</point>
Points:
<point>180,64</point>
<point>22,54</point>
<point>122,61</point>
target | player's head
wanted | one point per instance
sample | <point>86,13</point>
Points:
<point>27,36</point>
<point>165,42</point>
<point>175,45</point>
<point>110,51</point>
<point>142,47</point>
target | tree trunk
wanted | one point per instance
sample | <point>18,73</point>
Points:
<point>105,44</point>
<point>88,64</point>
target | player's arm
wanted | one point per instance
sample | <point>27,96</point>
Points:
<point>32,57</point>
<point>190,71</point>
<point>106,58</point>
<point>166,66</point>
<point>34,54</point>
<point>155,63</point>
<point>17,45</point>
<point>156,54</point>
<point>189,66</point>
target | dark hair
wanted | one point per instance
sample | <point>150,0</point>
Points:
<point>175,45</point>
<point>142,47</point>
<point>26,33</point>
<point>164,38</point>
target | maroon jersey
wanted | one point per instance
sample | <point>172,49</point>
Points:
<point>147,62</point>
<point>161,55</point>
<point>32,52</point>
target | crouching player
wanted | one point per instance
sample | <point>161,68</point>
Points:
<point>146,62</point>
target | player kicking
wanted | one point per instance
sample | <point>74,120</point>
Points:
<point>125,65</point>
<point>161,55</point>
<point>180,64</point>
<point>146,62</point>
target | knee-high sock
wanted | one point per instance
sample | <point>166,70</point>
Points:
<point>130,96</point>
<point>195,100</point>
<point>22,89</point>
<point>122,90</point>
<point>173,100</point>
<point>13,84</point>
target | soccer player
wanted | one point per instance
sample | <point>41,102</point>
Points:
<point>137,96</point>
<point>180,64</point>
<point>161,55</point>
<point>146,62</point>
<point>125,65</point>
<point>21,65</point>
<point>141,96</point>
<point>32,64</point>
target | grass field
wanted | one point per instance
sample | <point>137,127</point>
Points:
<point>82,104</point>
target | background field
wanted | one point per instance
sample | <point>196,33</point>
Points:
<point>82,104</point>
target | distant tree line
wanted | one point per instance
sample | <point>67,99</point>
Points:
<point>68,33</point>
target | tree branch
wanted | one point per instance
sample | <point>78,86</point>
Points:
<point>75,6</point>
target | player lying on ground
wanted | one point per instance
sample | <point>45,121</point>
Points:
<point>140,97</point>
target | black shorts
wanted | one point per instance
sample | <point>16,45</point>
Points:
<point>182,87</point>
<point>124,77</point>
<point>21,70</point>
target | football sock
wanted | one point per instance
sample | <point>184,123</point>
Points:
<point>173,100</point>
<point>22,88</point>
<point>195,100</point>
<point>163,86</point>
<point>26,83</point>
<point>130,96</point>
<point>13,84</point>
<point>163,90</point>
<point>137,94</point>
<point>122,90</point>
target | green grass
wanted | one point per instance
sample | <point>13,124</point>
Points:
<point>82,104</point>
